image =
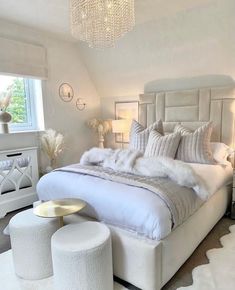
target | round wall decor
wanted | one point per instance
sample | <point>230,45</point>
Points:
<point>80,104</point>
<point>66,92</point>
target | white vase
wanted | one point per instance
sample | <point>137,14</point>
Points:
<point>52,166</point>
<point>49,169</point>
<point>5,118</point>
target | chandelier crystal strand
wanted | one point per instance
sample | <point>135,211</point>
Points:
<point>101,22</point>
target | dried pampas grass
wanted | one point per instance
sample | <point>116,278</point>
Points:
<point>52,145</point>
<point>98,125</point>
<point>5,99</point>
<point>103,127</point>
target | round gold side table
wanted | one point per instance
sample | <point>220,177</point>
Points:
<point>59,208</point>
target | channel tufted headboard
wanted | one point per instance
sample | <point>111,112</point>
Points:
<point>192,108</point>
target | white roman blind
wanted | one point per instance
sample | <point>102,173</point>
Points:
<point>24,59</point>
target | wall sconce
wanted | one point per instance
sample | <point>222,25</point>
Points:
<point>66,92</point>
<point>80,104</point>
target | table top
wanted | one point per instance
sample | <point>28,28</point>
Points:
<point>59,207</point>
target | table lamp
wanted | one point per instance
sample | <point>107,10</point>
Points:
<point>121,126</point>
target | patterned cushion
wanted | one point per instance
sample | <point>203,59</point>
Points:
<point>159,145</point>
<point>139,135</point>
<point>195,146</point>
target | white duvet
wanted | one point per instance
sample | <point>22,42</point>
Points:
<point>128,207</point>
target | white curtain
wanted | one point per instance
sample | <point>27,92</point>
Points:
<point>24,59</point>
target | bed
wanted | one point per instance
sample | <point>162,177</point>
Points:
<point>150,258</point>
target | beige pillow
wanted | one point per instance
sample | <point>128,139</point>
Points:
<point>195,146</point>
<point>159,145</point>
<point>139,135</point>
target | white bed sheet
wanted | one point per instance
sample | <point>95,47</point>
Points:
<point>131,208</point>
<point>214,176</point>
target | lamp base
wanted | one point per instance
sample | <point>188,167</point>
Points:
<point>101,141</point>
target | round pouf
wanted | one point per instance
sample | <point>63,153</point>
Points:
<point>31,244</point>
<point>82,257</point>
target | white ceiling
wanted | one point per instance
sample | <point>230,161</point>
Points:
<point>53,15</point>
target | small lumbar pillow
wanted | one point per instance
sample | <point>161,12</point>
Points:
<point>165,146</point>
<point>195,147</point>
<point>139,135</point>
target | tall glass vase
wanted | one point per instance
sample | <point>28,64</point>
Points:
<point>52,165</point>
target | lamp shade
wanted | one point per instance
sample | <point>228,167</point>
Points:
<point>121,126</point>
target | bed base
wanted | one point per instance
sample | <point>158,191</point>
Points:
<point>148,264</point>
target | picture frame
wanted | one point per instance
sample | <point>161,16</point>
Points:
<point>126,110</point>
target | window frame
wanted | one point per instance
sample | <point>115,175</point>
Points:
<point>31,113</point>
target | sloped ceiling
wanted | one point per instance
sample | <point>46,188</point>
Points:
<point>172,39</point>
<point>196,41</point>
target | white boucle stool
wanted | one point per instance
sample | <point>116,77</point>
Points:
<point>82,257</point>
<point>31,244</point>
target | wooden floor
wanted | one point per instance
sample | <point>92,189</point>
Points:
<point>183,277</point>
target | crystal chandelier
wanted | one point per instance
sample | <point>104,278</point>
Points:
<point>101,22</point>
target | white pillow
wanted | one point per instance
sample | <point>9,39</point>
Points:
<point>139,135</point>
<point>221,152</point>
<point>165,146</point>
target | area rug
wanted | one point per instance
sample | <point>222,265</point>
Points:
<point>219,273</point>
<point>9,281</point>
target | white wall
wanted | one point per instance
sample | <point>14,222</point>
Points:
<point>193,42</point>
<point>166,53</point>
<point>65,65</point>
<point>196,41</point>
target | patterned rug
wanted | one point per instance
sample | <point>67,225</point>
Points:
<point>219,274</point>
<point>9,281</point>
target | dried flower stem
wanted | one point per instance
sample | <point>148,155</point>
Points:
<point>52,145</point>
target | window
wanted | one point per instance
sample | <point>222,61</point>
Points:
<point>25,102</point>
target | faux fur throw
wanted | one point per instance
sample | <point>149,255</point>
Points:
<point>133,162</point>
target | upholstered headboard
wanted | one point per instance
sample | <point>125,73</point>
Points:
<point>192,108</point>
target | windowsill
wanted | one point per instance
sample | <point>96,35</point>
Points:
<point>22,132</point>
